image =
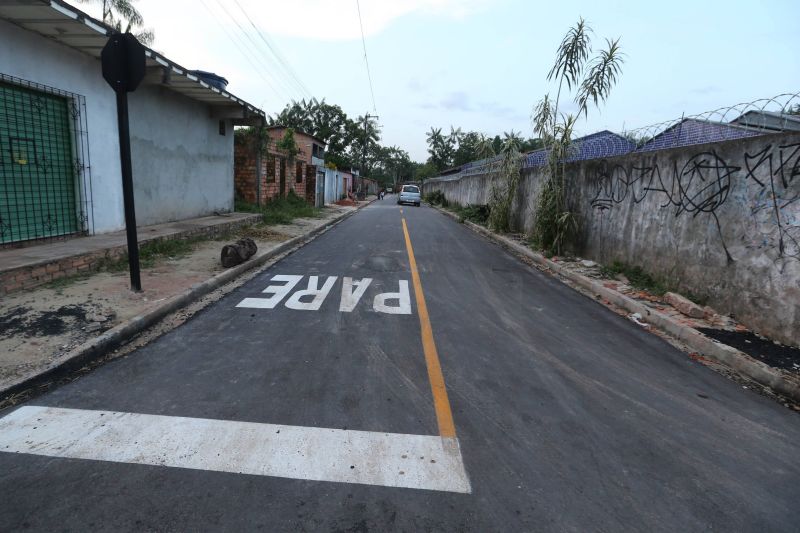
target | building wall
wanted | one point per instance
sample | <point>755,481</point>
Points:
<point>248,171</point>
<point>30,56</point>
<point>182,166</point>
<point>719,220</point>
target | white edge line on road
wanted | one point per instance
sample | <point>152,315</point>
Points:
<point>346,456</point>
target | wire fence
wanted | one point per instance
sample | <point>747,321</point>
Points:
<point>749,119</point>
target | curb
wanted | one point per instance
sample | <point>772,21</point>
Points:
<point>734,359</point>
<point>95,348</point>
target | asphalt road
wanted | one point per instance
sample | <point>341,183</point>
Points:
<point>558,415</point>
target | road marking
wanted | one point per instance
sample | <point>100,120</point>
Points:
<point>351,295</point>
<point>317,295</point>
<point>278,292</point>
<point>319,454</point>
<point>441,403</point>
<point>403,306</point>
<point>352,291</point>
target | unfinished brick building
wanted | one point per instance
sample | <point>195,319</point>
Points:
<point>262,171</point>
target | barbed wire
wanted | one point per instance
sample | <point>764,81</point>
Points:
<point>780,113</point>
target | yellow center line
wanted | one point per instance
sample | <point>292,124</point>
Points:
<point>441,403</point>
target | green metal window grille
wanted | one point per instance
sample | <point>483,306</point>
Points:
<point>45,186</point>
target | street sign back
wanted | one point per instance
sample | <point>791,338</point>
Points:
<point>123,61</point>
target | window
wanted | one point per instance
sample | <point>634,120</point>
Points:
<point>222,127</point>
<point>298,172</point>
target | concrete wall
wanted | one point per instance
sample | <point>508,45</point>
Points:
<point>335,185</point>
<point>182,166</point>
<point>719,220</point>
<point>30,56</point>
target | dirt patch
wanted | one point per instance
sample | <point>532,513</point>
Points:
<point>760,348</point>
<point>41,325</point>
<point>32,323</point>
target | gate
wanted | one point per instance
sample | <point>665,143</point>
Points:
<point>42,192</point>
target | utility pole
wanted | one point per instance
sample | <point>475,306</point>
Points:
<point>366,140</point>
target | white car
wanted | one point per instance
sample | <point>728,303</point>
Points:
<point>409,194</point>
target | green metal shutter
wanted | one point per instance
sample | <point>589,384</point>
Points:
<point>38,195</point>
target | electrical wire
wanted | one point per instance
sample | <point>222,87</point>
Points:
<point>366,61</point>
<point>256,67</point>
<point>286,84</point>
<point>276,52</point>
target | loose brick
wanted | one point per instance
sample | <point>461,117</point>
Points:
<point>684,305</point>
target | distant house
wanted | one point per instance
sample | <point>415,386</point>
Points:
<point>263,172</point>
<point>59,149</point>
<point>768,120</point>
<point>691,131</point>
<point>595,146</point>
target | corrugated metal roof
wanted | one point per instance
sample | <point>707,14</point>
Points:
<point>768,120</point>
<point>691,131</point>
<point>595,146</point>
<point>66,24</point>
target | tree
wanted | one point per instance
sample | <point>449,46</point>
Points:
<point>466,150</point>
<point>442,148</point>
<point>325,121</point>
<point>121,14</point>
<point>556,224</point>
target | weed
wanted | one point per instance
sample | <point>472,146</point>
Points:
<point>637,277</point>
<point>436,198</point>
<point>280,210</point>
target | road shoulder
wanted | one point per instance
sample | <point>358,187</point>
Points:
<point>698,345</point>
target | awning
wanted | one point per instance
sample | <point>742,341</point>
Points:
<point>71,27</point>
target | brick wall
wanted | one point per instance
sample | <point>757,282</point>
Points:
<point>34,275</point>
<point>245,173</point>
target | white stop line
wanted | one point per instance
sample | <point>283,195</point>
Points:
<point>320,454</point>
<point>312,297</point>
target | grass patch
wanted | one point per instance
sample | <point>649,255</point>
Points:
<point>280,210</point>
<point>152,251</point>
<point>477,214</point>
<point>60,284</point>
<point>636,276</point>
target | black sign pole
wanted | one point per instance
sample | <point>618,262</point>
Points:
<point>127,190</point>
<point>123,62</point>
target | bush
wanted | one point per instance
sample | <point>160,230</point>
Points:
<point>436,198</point>
<point>477,214</point>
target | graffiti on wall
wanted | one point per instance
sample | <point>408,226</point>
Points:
<point>768,181</point>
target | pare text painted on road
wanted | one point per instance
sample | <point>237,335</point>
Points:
<point>311,296</point>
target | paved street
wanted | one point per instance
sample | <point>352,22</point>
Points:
<point>457,389</point>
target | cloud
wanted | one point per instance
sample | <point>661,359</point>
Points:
<point>456,101</point>
<point>337,20</point>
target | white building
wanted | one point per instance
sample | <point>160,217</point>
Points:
<point>59,150</point>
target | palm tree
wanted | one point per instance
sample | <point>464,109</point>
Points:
<point>119,13</point>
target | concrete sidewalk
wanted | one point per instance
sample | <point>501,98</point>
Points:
<point>37,264</point>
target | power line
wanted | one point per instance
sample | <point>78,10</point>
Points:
<point>244,54</point>
<point>366,61</point>
<point>286,84</point>
<point>276,52</point>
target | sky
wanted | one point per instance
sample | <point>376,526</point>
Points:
<point>481,64</point>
